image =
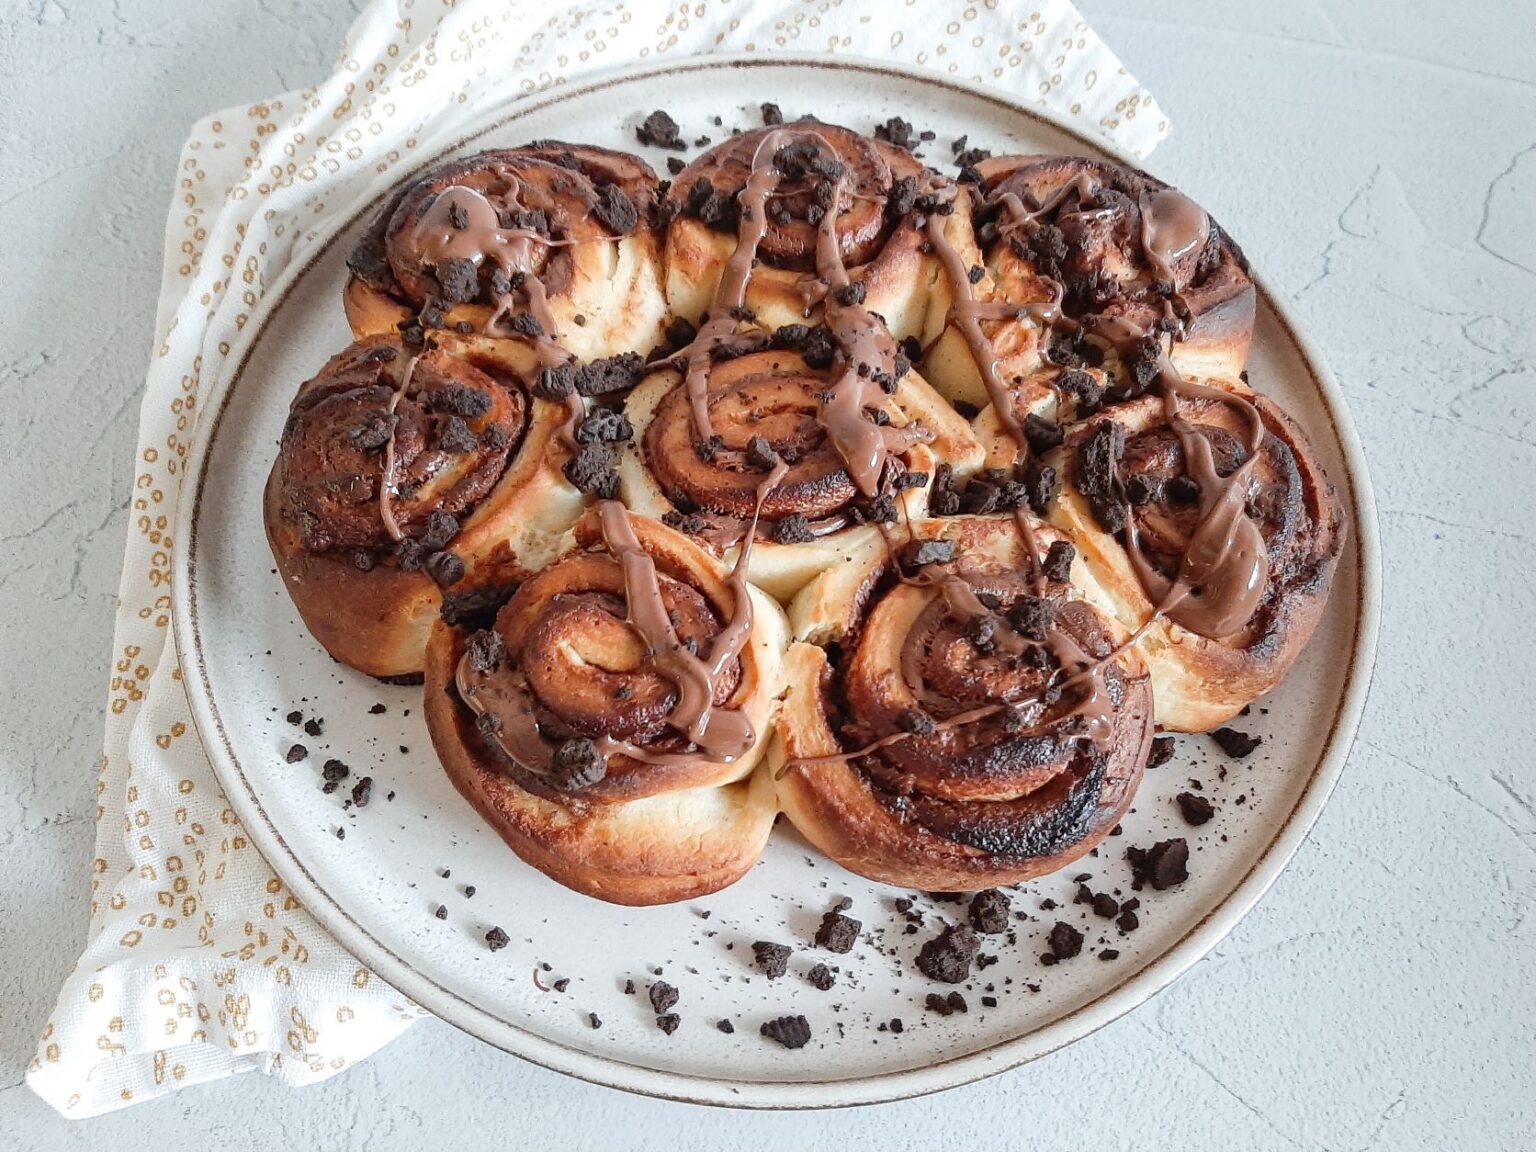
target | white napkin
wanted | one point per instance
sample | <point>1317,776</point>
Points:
<point>199,962</point>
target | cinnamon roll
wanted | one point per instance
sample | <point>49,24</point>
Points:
<point>1067,240</point>
<point>790,193</point>
<point>403,472</point>
<point>551,240</point>
<point>1212,531</point>
<point>609,719</point>
<point>958,716</point>
<point>769,407</point>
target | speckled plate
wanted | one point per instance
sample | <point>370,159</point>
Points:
<point>249,662</point>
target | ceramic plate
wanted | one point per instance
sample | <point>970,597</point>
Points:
<point>249,662</point>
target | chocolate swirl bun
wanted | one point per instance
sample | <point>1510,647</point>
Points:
<point>882,193</point>
<point>765,410</point>
<point>1068,239</point>
<point>608,720</point>
<point>551,240</point>
<point>1212,530</point>
<point>401,474</point>
<point>968,722</point>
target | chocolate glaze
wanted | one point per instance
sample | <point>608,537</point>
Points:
<point>363,460</point>
<point>437,241</point>
<point>714,732</point>
<point>866,351</point>
<point>1084,673</point>
<point>1224,570</point>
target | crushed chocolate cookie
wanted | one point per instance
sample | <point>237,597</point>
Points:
<point>676,165</point>
<point>333,771</point>
<point>663,997</point>
<point>445,568</point>
<point>1196,810</point>
<point>610,374</point>
<point>1033,616</point>
<point>1097,459</point>
<point>296,752</point>
<point>790,1031</point>
<point>1128,921</point>
<point>945,1005</point>
<point>668,1022</point>
<point>604,424</point>
<point>593,470</point>
<point>1042,434</point>
<point>458,400</point>
<point>374,431</point>
<point>1039,485</point>
<point>615,211</point>
<point>989,911</point>
<point>314,727</point>
<point>661,131</point>
<point>898,132</point>
<point>554,382</point>
<point>793,529</point>
<point>1234,743</point>
<point>1109,954</point>
<point>1162,751</point>
<point>919,553</point>
<point>496,939</point>
<point>441,912</point>
<point>760,454</point>
<point>1164,865</point>
<point>486,650</point>
<point>362,792</point>
<point>1057,566</point>
<point>838,933</point>
<point>773,959</point>
<point>725,1026</point>
<point>948,956</point>
<point>821,977</point>
<point>1064,941</point>
<point>772,117</point>
<point>577,764</point>
<point>295,718</point>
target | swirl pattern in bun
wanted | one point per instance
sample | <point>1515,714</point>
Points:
<point>1067,239</point>
<point>402,473</point>
<point>763,407</point>
<point>965,721</point>
<point>875,225</point>
<point>549,240</point>
<point>609,719</point>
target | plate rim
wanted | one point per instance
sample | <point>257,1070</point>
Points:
<point>625,1075</point>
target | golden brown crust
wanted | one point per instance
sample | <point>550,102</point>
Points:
<point>1200,682</point>
<point>1218,298</point>
<point>773,395</point>
<point>979,810</point>
<point>376,620</point>
<point>882,244</point>
<point>665,848</point>
<point>644,833</point>
<point>603,285</point>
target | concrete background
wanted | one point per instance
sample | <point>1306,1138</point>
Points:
<point>1376,159</point>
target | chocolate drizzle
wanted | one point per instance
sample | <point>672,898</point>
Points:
<point>461,224</point>
<point>387,480</point>
<point>721,734</point>
<point>865,351</point>
<point>1223,572</point>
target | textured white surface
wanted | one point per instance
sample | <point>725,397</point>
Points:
<point>1379,164</point>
